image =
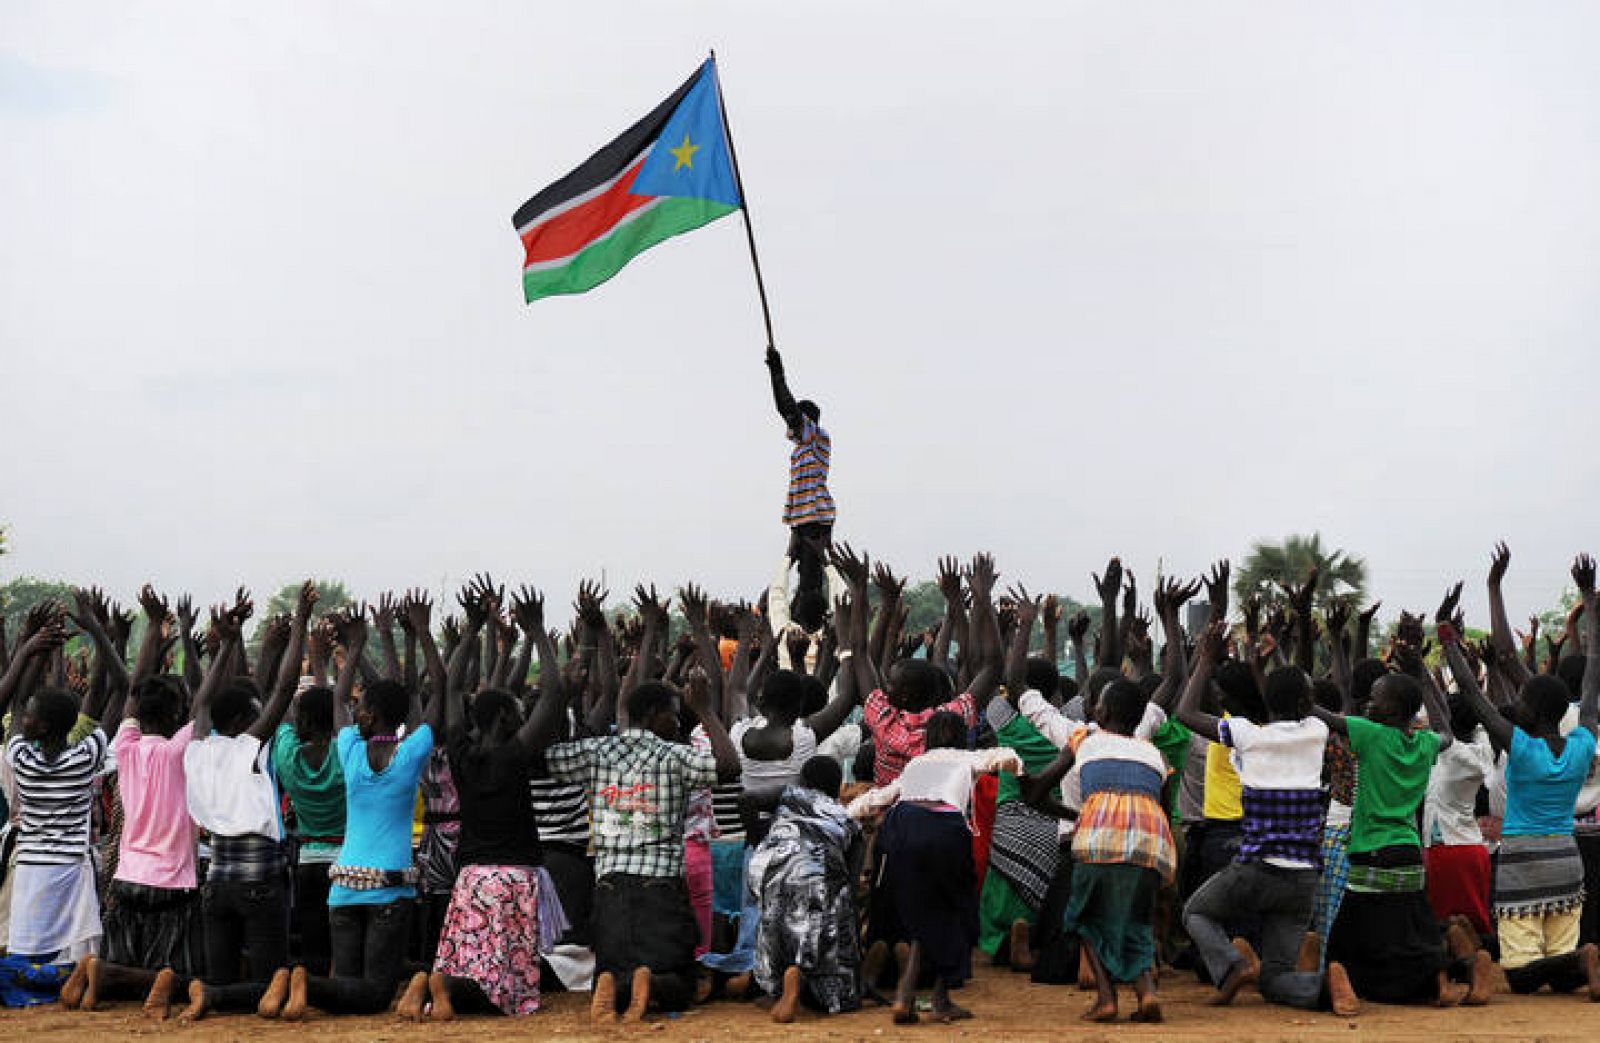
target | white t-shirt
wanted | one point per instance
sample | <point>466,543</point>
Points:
<point>229,786</point>
<point>1278,754</point>
<point>1059,728</point>
<point>940,775</point>
<point>1447,815</point>
<point>760,774</point>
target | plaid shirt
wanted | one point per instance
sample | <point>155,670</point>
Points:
<point>1122,822</point>
<point>639,786</point>
<point>1284,824</point>
<point>900,735</point>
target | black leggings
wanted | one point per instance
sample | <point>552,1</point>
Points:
<point>311,886</point>
<point>252,918</point>
<point>1564,973</point>
<point>369,955</point>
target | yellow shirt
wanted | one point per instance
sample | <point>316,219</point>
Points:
<point>1222,785</point>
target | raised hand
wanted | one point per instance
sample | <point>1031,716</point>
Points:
<point>225,623</point>
<point>1583,572</point>
<point>350,626</point>
<point>693,601</point>
<point>1409,630</point>
<point>1217,588</point>
<point>1302,596</point>
<point>1499,562</point>
<point>527,608</point>
<point>307,600</point>
<point>1213,639</point>
<point>697,691</point>
<point>651,610</point>
<point>1336,619</point>
<point>243,608</point>
<point>981,576</point>
<point>587,606</point>
<point>855,569</point>
<point>1364,617</point>
<point>185,609</point>
<point>1078,625</point>
<point>385,612</point>
<point>949,580</point>
<point>1130,596</point>
<point>1447,607</point>
<point>888,584</point>
<point>417,608</point>
<point>1111,585</point>
<point>155,606</point>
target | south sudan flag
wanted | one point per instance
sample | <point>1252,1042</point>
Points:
<point>668,174</point>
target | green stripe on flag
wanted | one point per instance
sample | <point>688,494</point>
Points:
<point>596,263</point>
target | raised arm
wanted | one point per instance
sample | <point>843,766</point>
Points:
<point>418,611</point>
<point>855,570</point>
<point>1363,645</point>
<point>1170,598</point>
<point>1583,574</point>
<point>954,624</point>
<point>697,695</point>
<point>781,397</point>
<point>1499,622</point>
<point>981,578</point>
<point>1050,622</point>
<point>736,693</point>
<point>288,665</point>
<point>1336,622</point>
<point>227,624</point>
<point>603,677</point>
<point>1301,598</point>
<point>40,643</point>
<point>1016,668</point>
<point>383,620</point>
<point>890,590</point>
<point>1110,651</point>
<point>696,612</point>
<point>1466,678</point>
<point>1207,655</point>
<point>1077,633</point>
<point>351,630</point>
<point>543,723</point>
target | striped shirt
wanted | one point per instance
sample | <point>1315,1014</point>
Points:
<point>53,796</point>
<point>809,501</point>
<point>561,810</point>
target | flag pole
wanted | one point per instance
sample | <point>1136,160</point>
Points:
<point>744,205</point>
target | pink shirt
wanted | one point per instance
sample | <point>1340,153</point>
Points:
<point>158,836</point>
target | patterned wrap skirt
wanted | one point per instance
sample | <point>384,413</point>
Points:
<point>500,919</point>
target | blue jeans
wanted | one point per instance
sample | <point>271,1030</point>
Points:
<point>1282,900</point>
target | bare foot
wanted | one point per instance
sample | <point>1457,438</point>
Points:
<point>1104,1011</point>
<point>294,1008</point>
<point>1482,981</point>
<point>1021,946</point>
<point>1590,955</point>
<point>603,1001</point>
<point>91,983</point>
<point>72,991</point>
<point>789,1001</point>
<point>199,1003</point>
<point>159,1002</point>
<point>903,1011</point>
<point>1449,994</point>
<point>737,987</point>
<point>277,992</point>
<point>411,1001</point>
<point>1460,944</point>
<point>1242,974</point>
<point>639,1002</point>
<point>1149,1010</point>
<point>1310,956</point>
<point>439,992</point>
<point>703,987</point>
<point>1341,992</point>
<point>1085,972</point>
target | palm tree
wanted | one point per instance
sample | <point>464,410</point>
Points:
<point>1339,575</point>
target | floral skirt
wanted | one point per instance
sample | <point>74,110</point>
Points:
<point>491,934</point>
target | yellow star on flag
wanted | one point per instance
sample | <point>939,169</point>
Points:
<point>684,154</point>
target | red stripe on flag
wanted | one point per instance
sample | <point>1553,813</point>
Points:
<point>568,232</point>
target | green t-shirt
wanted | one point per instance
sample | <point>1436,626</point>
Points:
<point>1394,778</point>
<point>317,794</point>
<point>1035,750</point>
<point>1172,739</point>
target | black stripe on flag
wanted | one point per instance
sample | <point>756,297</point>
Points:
<point>606,164</point>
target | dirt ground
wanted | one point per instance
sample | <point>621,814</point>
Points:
<point>1006,1006</point>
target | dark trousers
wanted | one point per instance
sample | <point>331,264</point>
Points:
<point>1564,973</point>
<point>1281,900</point>
<point>572,871</point>
<point>369,955</point>
<point>311,886</point>
<point>646,921</point>
<point>1589,851</point>
<point>810,603</point>
<point>243,917</point>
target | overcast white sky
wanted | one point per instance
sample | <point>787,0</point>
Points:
<point>1068,279</point>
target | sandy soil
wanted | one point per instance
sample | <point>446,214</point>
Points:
<point>1006,1007</point>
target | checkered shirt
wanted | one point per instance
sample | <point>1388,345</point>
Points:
<point>639,786</point>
